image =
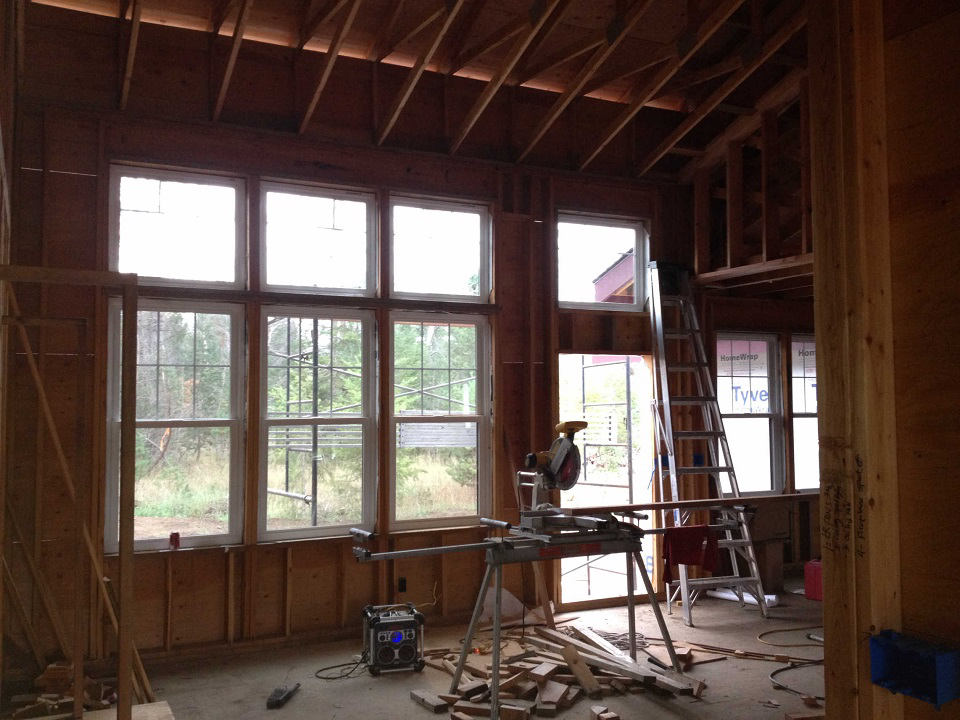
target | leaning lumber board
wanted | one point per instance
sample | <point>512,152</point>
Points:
<point>551,692</point>
<point>589,636</point>
<point>428,700</point>
<point>577,666</point>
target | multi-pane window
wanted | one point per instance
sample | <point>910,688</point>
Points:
<point>600,262</point>
<point>177,228</point>
<point>750,406</point>
<point>806,445</point>
<point>318,239</point>
<point>440,250</point>
<point>319,434</point>
<point>441,422</point>
<point>188,429</point>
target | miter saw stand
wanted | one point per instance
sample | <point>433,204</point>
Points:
<point>545,533</point>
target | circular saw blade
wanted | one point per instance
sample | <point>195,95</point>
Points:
<point>569,472</point>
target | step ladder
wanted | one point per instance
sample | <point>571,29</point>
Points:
<point>684,397</point>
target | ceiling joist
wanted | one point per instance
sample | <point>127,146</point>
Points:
<point>132,41</point>
<point>502,74</point>
<point>319,18</point>
<point>690,45</point>
<point>619,28</point>
<point>417,70</point>
<point>329,60</point>
<point>238,29</point>
<point>774,43</point>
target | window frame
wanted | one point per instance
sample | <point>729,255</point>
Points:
<point>485,289</point>
<point>641,251</point>
<point>119,170</point>
<point>483,419</point>
<point>775,417</point>
<point>321,191</point>
<point>368,421</point>
<point>802,338</point>
<point>236,424</point>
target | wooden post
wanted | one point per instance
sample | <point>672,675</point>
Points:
<point>771,200</point>
<point>735,251</point>
<point>701,221</point>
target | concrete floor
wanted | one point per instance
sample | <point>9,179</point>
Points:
<point>737,689</point>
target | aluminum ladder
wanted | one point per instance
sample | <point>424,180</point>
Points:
<point>681,361</point>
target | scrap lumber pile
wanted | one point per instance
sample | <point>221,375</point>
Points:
<point>55,695</point>
<point>551,672</point>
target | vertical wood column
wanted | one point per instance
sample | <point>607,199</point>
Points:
<point>701,221</point>
<point>853,310</point>
<point>735,250</point>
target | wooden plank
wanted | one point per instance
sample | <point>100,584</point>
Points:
<point>417,70</point>
<point>22,615</point>
<point>776,41</point>
<point>586,679</point>
<point>132,42</point>
<point>498,79</point>
<point>328,62</point>
<point>796,264</point>
<point>806,230</point>
<point>238,31</point>
<point>769,141</point>
<point>619,28</point>
<point>752,501</point>
<point>704,32</point>
<point>701,222</point>
<point>65,276</point>
<point>736,252</point>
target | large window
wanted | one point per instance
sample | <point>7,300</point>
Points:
<point>317,452</point>
<point>600,263</point>
<point>806,443</point>
<point>747,392</point>
<point>188,429</point>
<point>441,421</point>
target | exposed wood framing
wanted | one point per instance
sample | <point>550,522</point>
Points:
<point>736,253</point>
<point>615,74</point>
<point>416,71</point>
<point>497,80</point>
<point>714,22</point>
<point>701,222</point>
<point>20,607</point>
<point>776,41</point>
<point>806,231</point>
<point>466,21</point>
<point>740,129</point>
<point>541,39</point>
<point>795,265</point>
<point>219,15</point>
<point>560,57</point>
<point>238,30</point>
<point>768,180</point>
<point>619,28</point>
<point>411,33</point>
<point>490,43</point>
<point>320,17</point>
<point>131,53</point>
<point>328,62</point>
<point>382,45</point>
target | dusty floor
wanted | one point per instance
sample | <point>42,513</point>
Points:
<point>737,689</point>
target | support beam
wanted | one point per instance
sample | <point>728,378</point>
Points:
<point>769,142</point>
<point>497,80</point>
<point>238,29</point>
<point>736,253</point>
<point>412,33</point>
<point>417,70</point>
<point>541,39</point>
<point>457,35</point>
<point>618,29</point>
<point>383,44</point>
<point>562,56</point>
<point>131,52</point>
<point>219,15</point>
<point>491,42</point>
<point>776,41</point>
<point>776,98</point>
<point>322,16</point>
<point>701,222</point>
<point>690,45</point>
<point>328,62</point>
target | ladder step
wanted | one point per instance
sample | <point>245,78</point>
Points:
<point>692,400</point>
<point>704,470</point>
<point>696,434</point>
<point>686,367</point>
<point>722,543</point>
<point>723,581</point>
<point>678,334</point>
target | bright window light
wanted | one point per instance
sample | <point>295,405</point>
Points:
<point>597,263</point>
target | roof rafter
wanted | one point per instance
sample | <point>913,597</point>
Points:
<point>219,15</point>
<point>618,29</point>
<point>411,33</point>
<point>466,20</point>
<point>568,53</point>
<point>540,40</point>
<point>417,70</point>
<point>382,40</point>
<point>774,43</point>
<point>321,16</point>
<point>498,37</point>
<point>135,12</point>
<point>690,45</point>
<point>238,28</point>
<point>497,80</point>
<point>621,73</point>
<point>329,60</point>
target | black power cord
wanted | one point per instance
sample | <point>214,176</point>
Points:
<point>343,674</point>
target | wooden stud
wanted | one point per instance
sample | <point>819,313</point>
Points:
<point>231,613</point>
<point>621,27</point>
<point>806,234</point>
<point>776,41</point>
<point>287,589</point>
<point>21,610</point>
<point>735,249</point>
<point>168,605</point>
<point>131,52</point>
<point>771,246</point>
<point>701,222</point>
<point>714,22</point>
<point>497,80</point>
<point>238,31</point>
<point>328,62</point>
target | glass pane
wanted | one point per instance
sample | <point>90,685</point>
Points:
<point>183,366</point>
<point>164,221</point>
<point>749,440</point>
<point>314,476</point>
<point>316,241</point>
<point>436,470</point>
<point>314,367</point>
<point>595,263</point>
<point>804,372</point>
<point>806,454</point>
<point>616,452</point>
<point>436,251</point>
<point>743,385</point>
<point>435,368</point>
<point>182,481</point>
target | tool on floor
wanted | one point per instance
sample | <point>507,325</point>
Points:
<point>545,532</point>
<point>280,696</point>
<point>681,362</point>
<point>392,638</point>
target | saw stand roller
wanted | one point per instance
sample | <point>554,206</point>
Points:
<point>544,533</point>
